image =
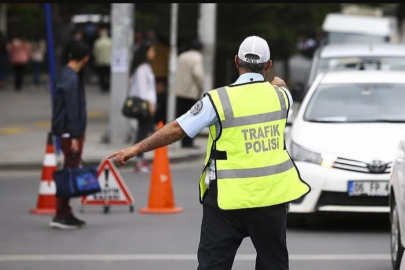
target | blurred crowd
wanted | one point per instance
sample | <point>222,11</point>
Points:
<point>20,53</point>
<point>307,44</point>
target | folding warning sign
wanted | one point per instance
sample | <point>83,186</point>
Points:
<point>114,191</point>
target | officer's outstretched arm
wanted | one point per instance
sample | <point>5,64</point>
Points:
<point>169,134</point>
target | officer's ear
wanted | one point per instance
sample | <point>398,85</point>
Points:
<point>269,64</point>
<point>237,62</point>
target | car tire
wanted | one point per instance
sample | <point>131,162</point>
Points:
<point>397,249</point>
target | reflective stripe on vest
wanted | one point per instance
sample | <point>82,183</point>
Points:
<point>258,170</point>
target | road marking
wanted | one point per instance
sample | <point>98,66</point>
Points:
<point>43,124</point>
<point>13,130</point>
<point>96,114</point>
<point>185,257</point>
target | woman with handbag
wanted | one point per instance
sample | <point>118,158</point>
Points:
<point>143,86</point>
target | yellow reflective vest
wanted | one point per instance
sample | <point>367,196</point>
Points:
<point>253,167</point>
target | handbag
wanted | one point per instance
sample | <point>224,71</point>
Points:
<point>135,107</point>
<point>76,182</point>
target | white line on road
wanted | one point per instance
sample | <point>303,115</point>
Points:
<point>184,257</point>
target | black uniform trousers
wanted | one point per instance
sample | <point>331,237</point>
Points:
<point>222,232</point>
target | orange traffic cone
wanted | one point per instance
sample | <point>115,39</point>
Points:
<point>47,189</point>
<point>160,193</point>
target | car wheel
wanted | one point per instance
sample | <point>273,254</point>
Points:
<point>397,250</point>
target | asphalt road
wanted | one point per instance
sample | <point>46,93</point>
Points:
<point>124,240</point>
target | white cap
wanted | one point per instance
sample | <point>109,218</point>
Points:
<point>257,46</point>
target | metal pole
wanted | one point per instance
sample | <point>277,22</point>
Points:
<point>171,100</point>
<point>206,33</point>
<point>51,60</point>
<point>122,18</point>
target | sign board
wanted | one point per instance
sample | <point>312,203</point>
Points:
<point>114,191</point>
<point>119,61</point>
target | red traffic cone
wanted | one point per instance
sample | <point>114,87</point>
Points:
<point>47,188</point>
<point>161,199</point>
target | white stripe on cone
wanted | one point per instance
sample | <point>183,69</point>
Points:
<point>50,160</point>
<point>47,188</point>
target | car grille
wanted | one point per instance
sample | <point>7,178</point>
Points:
<point>342,198</point>
<point>359,166</point>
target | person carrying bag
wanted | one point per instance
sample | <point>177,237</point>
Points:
<point>69,121</point>
<point>141,101</point>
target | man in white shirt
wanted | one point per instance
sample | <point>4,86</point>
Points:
<point>189,82</point>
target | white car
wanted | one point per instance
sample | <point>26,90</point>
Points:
<point>343,140</point>
<point>397,207</point>
<point>357,57</point>
<point>348,28</point>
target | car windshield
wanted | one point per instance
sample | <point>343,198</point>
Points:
<point>338,38</point>
<point>361,63</point>
<point>360,102</point>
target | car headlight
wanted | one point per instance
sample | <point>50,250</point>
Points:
<point>299,153</point>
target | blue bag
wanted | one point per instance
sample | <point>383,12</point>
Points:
<point>76,182</point>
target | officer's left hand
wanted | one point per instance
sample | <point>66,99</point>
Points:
<point>121,157</point>
<point>278,81</point>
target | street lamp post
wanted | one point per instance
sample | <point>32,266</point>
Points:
<point>171,100</point>
<point>206,33</point>
<point>122,19</point>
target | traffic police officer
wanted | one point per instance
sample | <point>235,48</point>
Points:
<point>249,178</point>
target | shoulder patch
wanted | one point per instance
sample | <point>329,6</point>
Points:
<point>197,107</point>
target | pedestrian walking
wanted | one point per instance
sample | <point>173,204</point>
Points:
<point>143,86</point>
<point>102,59</point>
<point>249,178</point>
<point>189,82</point>
<point>20,54</point>
<point>37,58</point>
<point>69,119</point>
<point>3,60</point>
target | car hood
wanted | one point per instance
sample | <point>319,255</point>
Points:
<point>357,141</point>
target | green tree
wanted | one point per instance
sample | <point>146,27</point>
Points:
<point>26,21</point>
<point>279,24</point>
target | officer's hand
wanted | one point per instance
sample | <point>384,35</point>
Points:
<point>75,145</point>
<point>152,109</point>
<point>121,157</point>
<point>278,81</point>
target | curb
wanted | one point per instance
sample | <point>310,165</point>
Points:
<point>95,163</point>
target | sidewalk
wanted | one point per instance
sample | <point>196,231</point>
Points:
<point>25,122</point>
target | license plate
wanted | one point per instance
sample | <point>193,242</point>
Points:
<point>370,188</point>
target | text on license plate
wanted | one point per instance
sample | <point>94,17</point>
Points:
<point>371,188</point>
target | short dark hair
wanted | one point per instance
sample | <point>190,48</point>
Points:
<point>196,45</point>
<point>252,67</point>
<point>78,51</point>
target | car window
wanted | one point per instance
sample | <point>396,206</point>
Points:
<point>357,103</point>
<point>361,63</point>
<point>338,38</point>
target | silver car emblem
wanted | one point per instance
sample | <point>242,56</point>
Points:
<point>377,166</point>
